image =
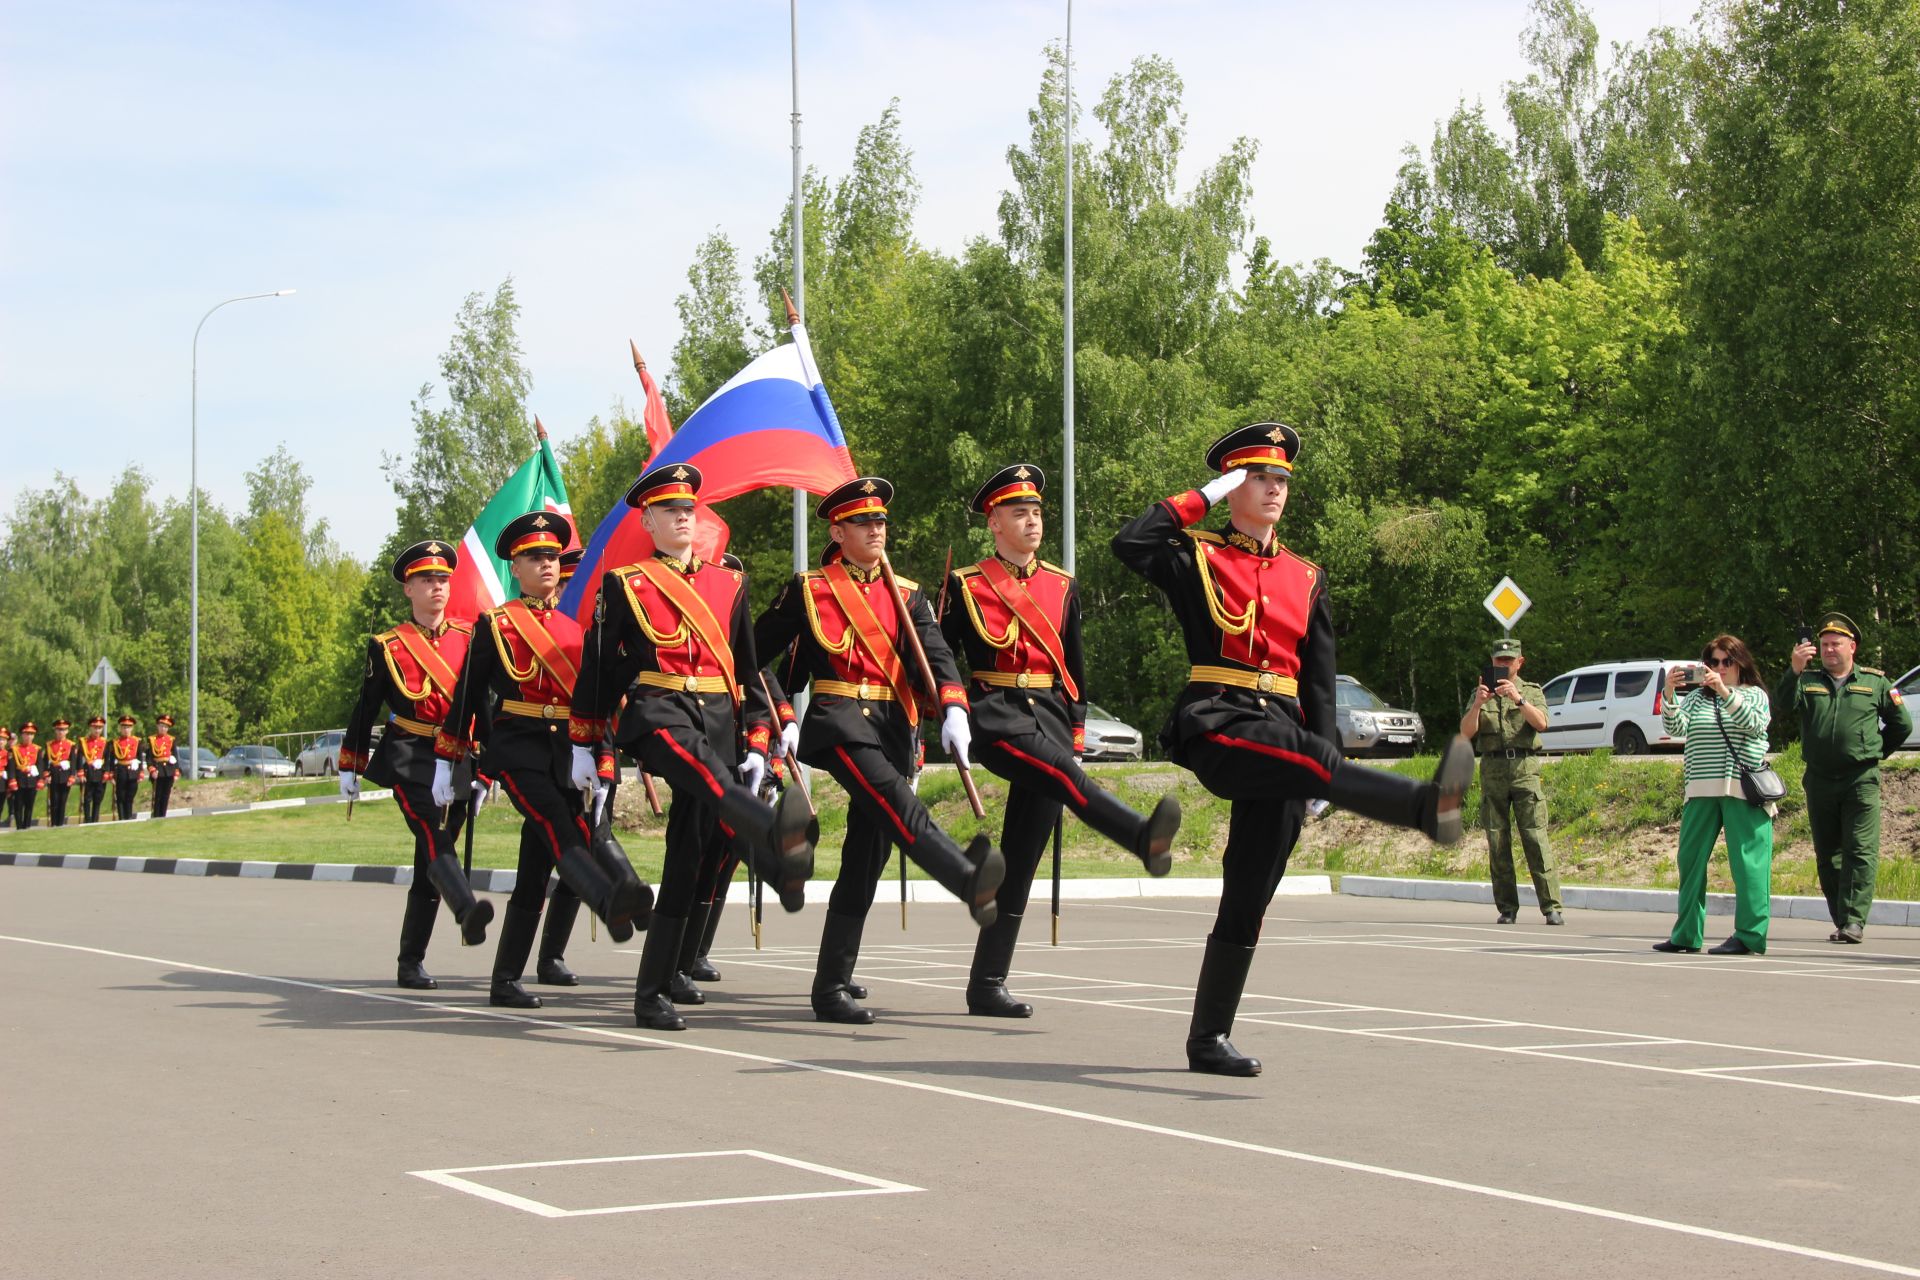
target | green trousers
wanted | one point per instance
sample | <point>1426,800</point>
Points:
<point>1844,812</point>
<point>1749,857</point>
<point>1506,803</point>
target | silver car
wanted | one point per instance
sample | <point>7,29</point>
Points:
<point>253,762</point>
<point>1369,726</point>
<point>1111,739</point>
<point>1909,687</point>
<point>321,757</point>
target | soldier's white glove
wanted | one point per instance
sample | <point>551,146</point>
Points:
<point>480,793</point>
<point>33,771</point>
<point>443,784</point>
<point>599,801</point>
<point>753,771</point>
<point>65,765</point>
<point>790,739</point>
<point>586,772</point>
<point>1317,807</point>
<point>1222,485</point>
<point>956,735</point>
<point>349,785</point>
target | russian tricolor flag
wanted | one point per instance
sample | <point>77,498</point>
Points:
<point>770,425</point>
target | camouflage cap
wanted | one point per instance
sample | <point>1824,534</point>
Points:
<point>1507,648</point>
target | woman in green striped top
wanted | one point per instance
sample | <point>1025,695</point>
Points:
<point>1730,696</point>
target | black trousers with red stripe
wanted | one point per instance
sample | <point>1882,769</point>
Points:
<point>686,761</point>
<point>1268,768</point>
<point>1044,778</point>
<point>430,840</point>
<point>553,819</point>
<point>884,811</point>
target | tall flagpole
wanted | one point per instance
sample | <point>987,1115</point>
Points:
<point>799,266</point>
<point>1067,499</point>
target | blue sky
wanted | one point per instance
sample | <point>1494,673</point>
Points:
<point>387,159</point>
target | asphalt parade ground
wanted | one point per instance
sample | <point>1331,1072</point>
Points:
<point>217,1077</point>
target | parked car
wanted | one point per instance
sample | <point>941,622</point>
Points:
<point>1610,704</point>
<point>253,762</point>
<point>1909,687</point>
<point>321,757</point>
<point>203,763</point>
<point>1371,727</point>
<point>1111,739</point>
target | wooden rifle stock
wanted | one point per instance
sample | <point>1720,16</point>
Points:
<point>926,675</point>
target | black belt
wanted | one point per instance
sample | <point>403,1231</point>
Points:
<point>1512,753</point>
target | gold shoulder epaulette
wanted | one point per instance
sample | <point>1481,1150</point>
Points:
<point>966,571</point>
<point>387,637</point>
<point>1201,535</point>
<point>813,573</point>
<point>464,628</point>
<point>1872,671</point>
<point>1302,559</point>
<point>1051,567</point>
<point>906,584</point>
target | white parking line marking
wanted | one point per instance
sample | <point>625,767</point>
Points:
<point>1034,1108</point>
<point>450,1178</point>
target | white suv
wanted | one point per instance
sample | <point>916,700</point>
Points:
<point>1610,704</point>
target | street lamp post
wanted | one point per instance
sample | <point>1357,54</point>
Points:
<point>193,484</point>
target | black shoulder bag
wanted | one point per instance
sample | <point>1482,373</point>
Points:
<point>1761,786</point>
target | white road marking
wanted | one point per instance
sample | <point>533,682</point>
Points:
<point>450,1178</point>
<point>1034,1108</point>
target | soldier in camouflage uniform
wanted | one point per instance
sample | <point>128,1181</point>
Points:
<point>1504,725</point>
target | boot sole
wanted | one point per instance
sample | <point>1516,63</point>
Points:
<point>473,929</point>
<point>1451,779</point>
<point>990,871</point>
<point>1162,825</point>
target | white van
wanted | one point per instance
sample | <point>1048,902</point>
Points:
<point>1610,704</point>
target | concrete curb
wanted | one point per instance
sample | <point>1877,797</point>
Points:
<point>498,881</point>
<point>209,811</point>
<point>1590,898</point>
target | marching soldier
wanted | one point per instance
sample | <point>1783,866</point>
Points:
<point>165,765</point>
<point>62,775</point>
<point>1851,718</point>
<point>850,635</point>
<point>1504,723</point>
<point>514,692</point>
<point>673,634</point>
<point>29,775</point>
<point>412,669</point>
<point>1017,618</point>
<point>1256,720</point>
<point>563,904</point>
<point>128,763</point>
<point>93,769</point>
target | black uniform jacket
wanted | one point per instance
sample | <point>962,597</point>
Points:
<point>978,622</point>
<point>808,624</point>
<point>1254,611</point>
<point>396,677</point>
<point>516,692</point>
<point>644,647</point>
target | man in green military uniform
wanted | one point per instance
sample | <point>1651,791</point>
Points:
<point>1850,719</point>
<point>1504,723</point>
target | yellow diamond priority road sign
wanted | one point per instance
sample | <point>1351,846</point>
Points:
<point>1507,603</point>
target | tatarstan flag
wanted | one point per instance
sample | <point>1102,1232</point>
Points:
<point>482,581</point>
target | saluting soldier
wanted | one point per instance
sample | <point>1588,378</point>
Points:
<point>849,636</point>
<point>673,635</point>
<point>164,763</point>
<point>1017,619</point>
<point>412,669</point>
<point>1504,724</point>
<point>514,692</point>
<point>29,772</point>
<point>94,750</point>
<point>1255,721</point>
<point>128,763</point>
<point>1851,718</point>
<point>62,773</point>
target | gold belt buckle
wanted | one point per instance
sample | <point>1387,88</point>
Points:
<point>549,712</point>
<point>693,684</point>
<point>1266,682</point>
<point>1022,680</point>
<point>863,690</point>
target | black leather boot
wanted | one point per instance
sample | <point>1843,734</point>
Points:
<point>563,908</point>
<point>702,970</point>
<point>510,960</point>
<point>1429,807</point>
<point>987,981</point>
<point>780,841</point>
<point>1223,976</point>
<point>989,869</point>
<point>472,913</point>
<point>614,904</point>
<point>839,948</point>
<point>652,1007</point>
<point>682,989</point>
<point>416,929</point>
<point>628,887</point>
<point>1150,839</point>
